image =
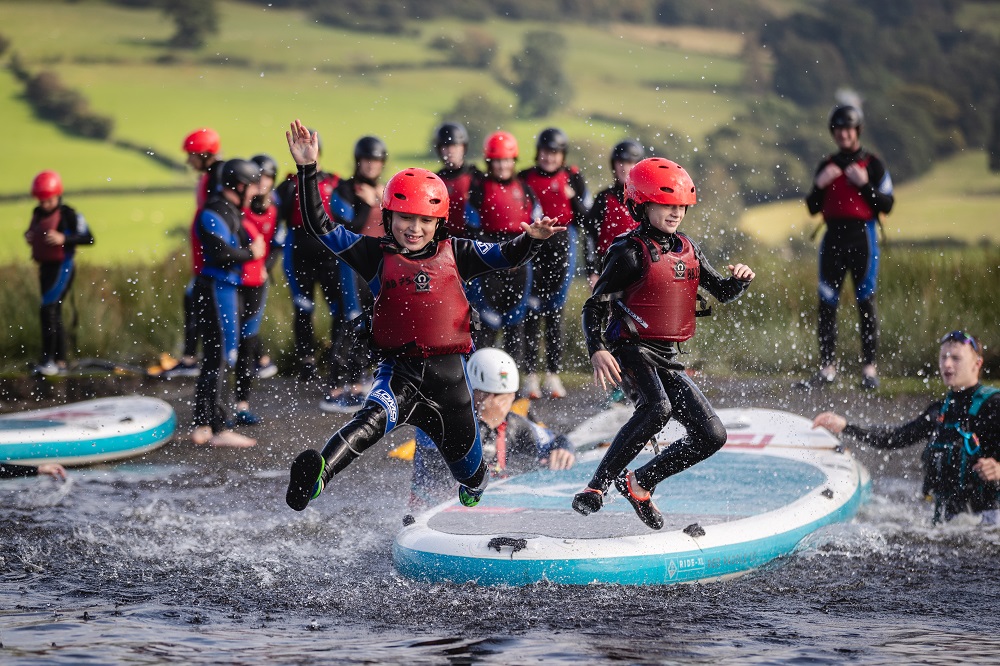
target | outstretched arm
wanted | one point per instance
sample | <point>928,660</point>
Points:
<point>302,144</point>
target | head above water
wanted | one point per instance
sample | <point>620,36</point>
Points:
<point>493,371</point>
<point>960,360</point>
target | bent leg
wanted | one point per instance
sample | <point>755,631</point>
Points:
<point>705,432</point>
<point>653,409</point>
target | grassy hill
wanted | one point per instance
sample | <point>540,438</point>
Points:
<point>268,66</point>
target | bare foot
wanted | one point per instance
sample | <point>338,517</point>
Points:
<point>201,435</point>
<point>232,440</point>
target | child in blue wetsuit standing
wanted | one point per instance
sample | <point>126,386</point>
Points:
<point>421,322</point>
<point>647,294</point>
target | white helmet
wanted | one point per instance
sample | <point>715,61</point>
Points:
<point>493,371</point>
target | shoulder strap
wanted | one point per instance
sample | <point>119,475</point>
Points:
<point>983,393</point>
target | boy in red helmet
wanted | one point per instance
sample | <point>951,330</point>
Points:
<point>421,322</point>
<point>647,294</point>
<point>499,201</point>
<point>54,232</point>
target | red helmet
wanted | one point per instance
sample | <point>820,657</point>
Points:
<point>658,180</point>
<point>500,145</point>
<point>47,184</point>
<point>416,192</point>
<point>204,140</point>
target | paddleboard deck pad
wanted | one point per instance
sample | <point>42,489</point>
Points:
<point>87,432</point>
<point>775,482</point>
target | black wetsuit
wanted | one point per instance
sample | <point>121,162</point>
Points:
<point>458,182</point>
<point>12,471</point>
<point>209,184</point>
<point>56,269</point>
<point>653,378</point>
<point>947,462</point>
<point>850,244</point>
<point>430,393</point>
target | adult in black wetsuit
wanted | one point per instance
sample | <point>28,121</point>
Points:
<point>961,434</point>
<point>451,143</point>
<point>421,322</point>
<point>852,188</point>
<point>647,294</point>
<point>12,471</point>
<point>54,232</point>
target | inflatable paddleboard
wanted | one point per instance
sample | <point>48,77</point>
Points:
<point>87,432</point>
<point>776,481</point>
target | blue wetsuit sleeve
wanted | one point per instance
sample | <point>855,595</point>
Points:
<point>221,246</point>
<point>475,258</point>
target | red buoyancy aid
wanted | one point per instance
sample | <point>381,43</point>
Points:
<point>41,226</point>
<point>421,308</point>
<point>551,192</point>
<point>662,303</point>
<point>458,194</point>
<point>327,184</point>
<point>505,206</point>
<point>844,201</point>
<point>617,220</point>
<point>259,225</point>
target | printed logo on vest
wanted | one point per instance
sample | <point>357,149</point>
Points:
<point>423,281</point>
<point>680,270</point>
<point>483,247</point>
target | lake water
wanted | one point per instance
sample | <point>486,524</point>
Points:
<point>190,556</point>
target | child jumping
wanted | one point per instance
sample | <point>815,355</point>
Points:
<point>648,290</point>
<point>421,322</point>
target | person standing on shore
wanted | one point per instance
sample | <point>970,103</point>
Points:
<point>53,234</point>
<point>852,189</point>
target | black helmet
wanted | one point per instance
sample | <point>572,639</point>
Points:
<point>846,116</point>
<point>370,147</point>
<point>236,172</point>
<point>553,139</point>
<point>450,134</point>
<point>627,151</point>
<point>268,167</point>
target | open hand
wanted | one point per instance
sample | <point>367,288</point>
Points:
<point>559,459</point>
<point>833,422</point>
<point>302,144</point>
<point>606,369</point>
<point>543,228</point>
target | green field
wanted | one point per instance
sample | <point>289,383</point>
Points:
<point>959,200</point>
<point>268,66</point>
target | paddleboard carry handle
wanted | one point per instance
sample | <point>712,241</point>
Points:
<point>496,543</point>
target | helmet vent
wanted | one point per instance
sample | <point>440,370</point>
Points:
<point>399,195</point>
<point>435,201</point>
<point>667,189</point>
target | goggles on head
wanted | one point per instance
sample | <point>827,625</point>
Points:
<point>963,338</point>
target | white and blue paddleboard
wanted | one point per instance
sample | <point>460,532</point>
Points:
<point>776,481</point>
<point>86,432</point>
